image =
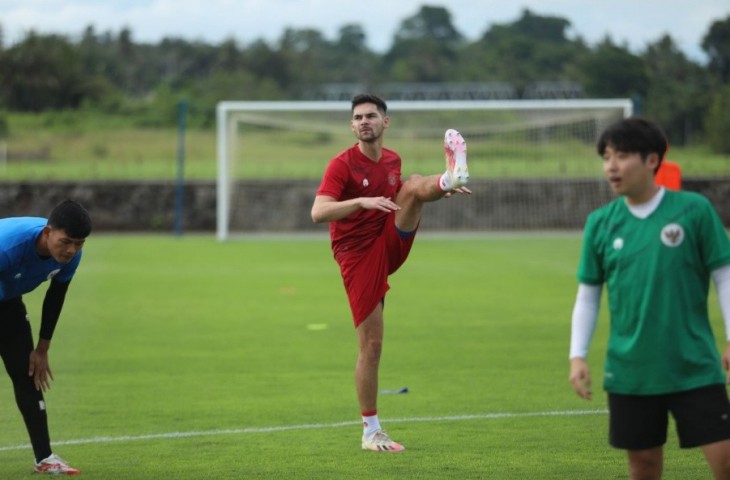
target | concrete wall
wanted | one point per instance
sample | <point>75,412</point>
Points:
<point>283,206</point>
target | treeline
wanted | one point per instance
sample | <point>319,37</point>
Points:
<point>111,73</point>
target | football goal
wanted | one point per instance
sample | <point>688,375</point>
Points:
<point>271,156</point>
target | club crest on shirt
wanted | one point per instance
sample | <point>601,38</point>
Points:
<point>365,182</point>
<point>391,179</point>
<point>618,243</point>
<point>672,235</point>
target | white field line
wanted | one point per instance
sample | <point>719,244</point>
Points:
<point>284,428</point>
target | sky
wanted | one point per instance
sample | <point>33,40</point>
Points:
<point>633,23</point>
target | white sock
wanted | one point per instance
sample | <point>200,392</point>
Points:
<point>370,425</point>
<point>445,182</point>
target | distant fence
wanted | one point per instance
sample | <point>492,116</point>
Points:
<point>284,205</point>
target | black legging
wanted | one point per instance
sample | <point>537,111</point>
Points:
<point>16,344</point>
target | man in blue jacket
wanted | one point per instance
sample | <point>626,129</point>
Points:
<point>33,250</point>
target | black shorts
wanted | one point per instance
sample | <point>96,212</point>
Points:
<point>639,422</point>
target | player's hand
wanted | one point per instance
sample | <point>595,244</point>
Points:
<point>458,190</point>
<point>379,203</point>
<point>580,377</point>
<point>40,370</point>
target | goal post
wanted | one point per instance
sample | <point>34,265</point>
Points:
<point>260,140</point>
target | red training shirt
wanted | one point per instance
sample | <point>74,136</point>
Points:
<point>351,175</point>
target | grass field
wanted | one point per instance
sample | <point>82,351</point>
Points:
<point>185,358</point>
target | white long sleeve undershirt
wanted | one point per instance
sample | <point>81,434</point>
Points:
<point>588,301</point>
<point>721,277</point>
<point>585,317</point>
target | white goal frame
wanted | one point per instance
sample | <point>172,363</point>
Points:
<point>226,127</point>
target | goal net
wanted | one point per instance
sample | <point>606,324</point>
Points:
<point>533,163</point>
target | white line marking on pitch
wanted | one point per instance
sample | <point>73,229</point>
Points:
<point>284,428</point>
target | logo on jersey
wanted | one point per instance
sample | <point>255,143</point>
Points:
<point>672,235</point>
<point>618,244</point>
<point>391,179</point>
<point>17,276</point>
<point>53,274</point>
<point>365,182</point>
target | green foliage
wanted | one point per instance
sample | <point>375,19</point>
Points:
<point>208,368</point>
<point>430,23</point>
<point>421,60</point>
<point>112,73</point>
<point>717,45</point>
<point>538,28</point>
<point>718,121</point>
<point>533,49</point>
<point>4,126</point>
<point>41,73</point>
<point>678,94</point>
<point>612,71</point>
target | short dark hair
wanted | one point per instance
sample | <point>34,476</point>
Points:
<point>72,218</point>
<point>369,98</point>
<point>634,135</point>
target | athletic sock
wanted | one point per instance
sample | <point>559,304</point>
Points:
<point>370,423</point>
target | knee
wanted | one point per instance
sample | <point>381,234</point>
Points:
<point>718,456</point>
<point>372,349</point>
<point>645,466</point>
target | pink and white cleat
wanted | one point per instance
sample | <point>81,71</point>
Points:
<point>381,442</point>
<point>455,148</point>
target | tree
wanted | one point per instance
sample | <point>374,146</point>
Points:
<point>432,23</point>
<point>307,52</point>
<point>717,45</point>
<point>227,57</point>
<point>425,48</point>
<point>41,72</point>
<point>532,49</point>
<point>540,28</point>
<point>718,121</point>
<point>612,71</point>
<point>350,60</point>
<point>267,64</point>
<point>677,92</point>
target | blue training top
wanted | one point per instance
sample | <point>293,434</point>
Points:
<point>21,268</point>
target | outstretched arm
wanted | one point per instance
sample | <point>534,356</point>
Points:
<point>328,209</point>
<point>585,317</point>
<point>39,367</point>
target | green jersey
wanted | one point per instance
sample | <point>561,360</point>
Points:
<point>657,273</point>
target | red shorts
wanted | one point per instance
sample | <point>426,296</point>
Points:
<point>365,272</point>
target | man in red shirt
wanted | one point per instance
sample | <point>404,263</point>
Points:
<point>373,217</point>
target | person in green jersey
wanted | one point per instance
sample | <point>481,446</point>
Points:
<point>656,250</point>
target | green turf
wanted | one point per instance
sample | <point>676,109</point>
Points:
<point>164,335</point>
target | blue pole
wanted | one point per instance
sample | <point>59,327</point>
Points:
<point>182,107</point>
